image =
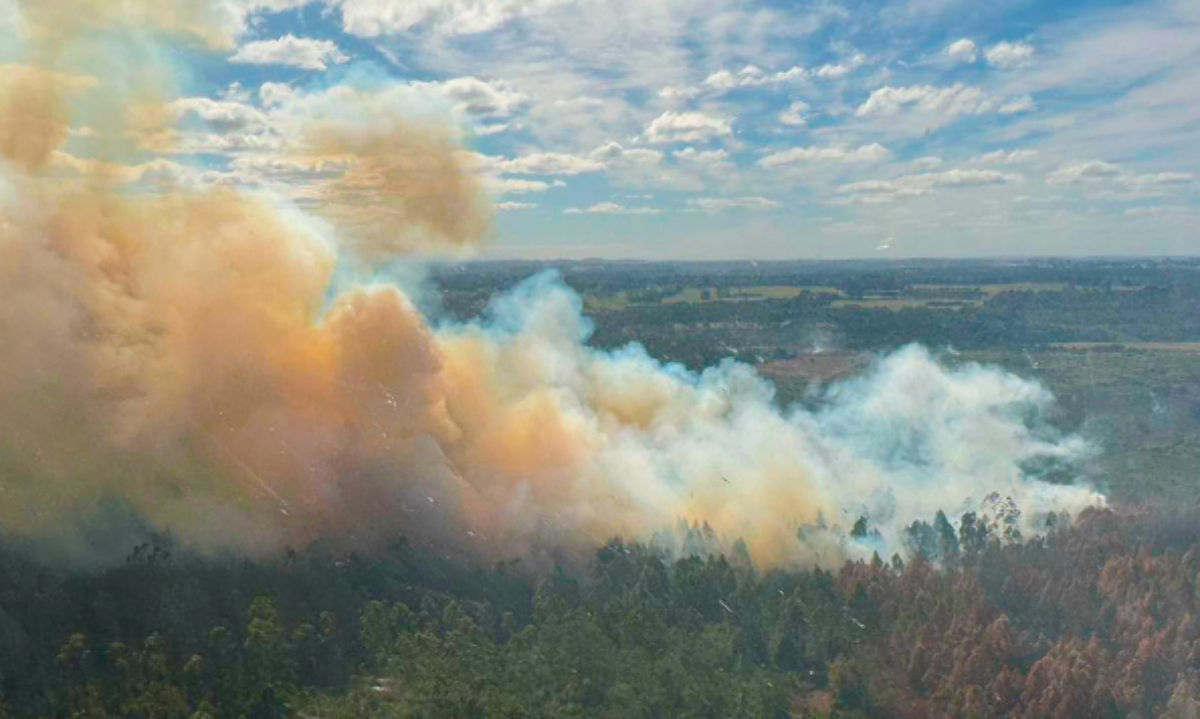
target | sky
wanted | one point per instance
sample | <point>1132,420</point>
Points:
<point>728,129</point>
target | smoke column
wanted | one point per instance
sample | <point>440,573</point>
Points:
<point>180,352</point>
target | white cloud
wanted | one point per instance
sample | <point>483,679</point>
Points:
<point>873,191</point>
<point>548,163</point>
<point>678,93</point>
<point>1082,172</point>
<point>291,51</point>
<point>494,128</point>
<point>611,208</point>
<point>835,153</point>
<point>1009,55</point>
<point>633,166</point>
<point>511,206</point>
<point>221,114</point>
<point>514,186</point>
<point>702,158</point>
<point>271,94</point>
<point>1023,103</point>
<point>837,70</point>
<point>963,50</point>
<point>614,153</point>
<point>687,127</point>
<point>724,79</point>
<point>929,162</point>
<point>964,178</point>
<point>1156,179</point>
<point>716,204</point>
<point>371,18</point>
<point>1001,157</point>
<point>793,116</point>
<point>957,99</point>
<point>753,76</point>
<point>479,98</point>
<point>206,125</point>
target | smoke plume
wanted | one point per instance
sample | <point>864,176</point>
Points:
<point>180,352</point>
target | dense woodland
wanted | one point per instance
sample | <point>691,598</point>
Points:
<point>1101,618</point>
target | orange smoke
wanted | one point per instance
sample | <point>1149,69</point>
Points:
<point>177,349</point>
<point>404,186</point>
<point>174,349</point>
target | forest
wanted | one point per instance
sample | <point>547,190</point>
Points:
<point>1098,618</point>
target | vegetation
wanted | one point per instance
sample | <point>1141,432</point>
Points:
<point>1115,340</point>
<point>1097,619</point>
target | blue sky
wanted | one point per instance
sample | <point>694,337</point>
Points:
<point>729,128</point>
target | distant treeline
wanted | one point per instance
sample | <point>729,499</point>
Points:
<point>605,277</point>
<point>701,334</point>
<point>1097,619</point>
<point>1098,301</point>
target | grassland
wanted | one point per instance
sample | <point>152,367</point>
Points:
<point>914,296</point>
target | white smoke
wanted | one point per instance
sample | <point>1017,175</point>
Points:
<point>909,437</point>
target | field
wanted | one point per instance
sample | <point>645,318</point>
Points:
<point>1116,341</point>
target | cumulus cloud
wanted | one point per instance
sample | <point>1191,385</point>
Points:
<point>963,50</point>
<point>956,99</point>
<point>512,206</point>
<point>223,114</point>
<point>476,97</point>
<point>514,186</point>
<point>611,208</point>
<point>1009,55</point>
<point>291,51</point>
<point>678,93</point>
<point>715,204</point>
<point>634,166</point>
<point>1012,157</point>
<point>833,71</point>
<point>271,94</point>
<point>615,153</point>
<point>371,18</point>
<point>793,116</point>
<point>873,152</point>
<point>709,159</point>
<point>753,76</point>
<point>547,163</point>
<point>687,127</point>
<point>926,183</point>
<point>1120,185</point>
<point>1089,171</point>
<point>206,125</point>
